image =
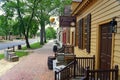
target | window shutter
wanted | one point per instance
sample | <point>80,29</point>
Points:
<point>76,36</point>
<point>80,34</point>
<point>88,33</point>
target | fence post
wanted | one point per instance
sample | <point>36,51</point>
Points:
<point>93,62</point>
<point>116,72</point>
<point>55,75</point>
<point>87,74</point>
<point>74,67</point>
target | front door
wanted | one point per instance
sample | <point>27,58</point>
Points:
<point>64,37</point>
<point>105,46</point>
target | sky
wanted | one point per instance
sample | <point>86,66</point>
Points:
<point>1,11</point>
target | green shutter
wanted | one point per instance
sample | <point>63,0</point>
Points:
<point>80,34</point>
<point>88,33</point>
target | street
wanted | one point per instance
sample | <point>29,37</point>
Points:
<point>4,45</point>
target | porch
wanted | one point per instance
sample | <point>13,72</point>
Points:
<point>83,68</point>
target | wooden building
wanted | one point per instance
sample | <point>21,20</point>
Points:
<point>97,31</point>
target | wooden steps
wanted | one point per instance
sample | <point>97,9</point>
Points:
<point>14,58</point>
<point>10,55</point>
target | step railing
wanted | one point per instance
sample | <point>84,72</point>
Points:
<point>82,63</point>
<point>75,68</point>
<point>101,74</point>
<point>67,72</point>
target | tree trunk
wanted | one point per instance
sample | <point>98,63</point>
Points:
<point>9,36</point>
<point>27,42</point>
<point>44,34</point>
<point>42,29</point>
<point>41,37</point>
<point>6,37</point>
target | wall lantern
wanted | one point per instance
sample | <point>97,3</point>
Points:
<point>72,23</point>
<point>113,25</point>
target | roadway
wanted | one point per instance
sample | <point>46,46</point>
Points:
<point>6,44</point>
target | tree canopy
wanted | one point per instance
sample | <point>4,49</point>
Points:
<point>50,33</point>
<point>26,17</point>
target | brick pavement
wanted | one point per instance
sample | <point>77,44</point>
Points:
<point>33,67</point>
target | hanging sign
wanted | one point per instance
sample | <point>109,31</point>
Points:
<point>67,21</point>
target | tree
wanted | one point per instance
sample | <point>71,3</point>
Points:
<point>50,33</point>
<point>5,27</point>
<point>47,8</point>
<point>24,12</point>
<point>43,17</point>
<point>26,25</point>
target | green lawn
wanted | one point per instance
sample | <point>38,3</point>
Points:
<point>33,46</point>
<point>1,56</point>
<point>22,52</point>
<point>18,53</point>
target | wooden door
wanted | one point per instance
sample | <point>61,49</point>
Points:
<point>64,37</point>
<point>105,46</point>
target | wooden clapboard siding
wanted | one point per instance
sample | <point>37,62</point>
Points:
<point>117,42</point>
<point>102,11</point>
<point>79,52</point>
<point>116,57</point>
<point>104,8</point>
<point>93,29</point>
<point>117,37</point>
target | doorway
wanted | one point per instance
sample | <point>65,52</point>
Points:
<point>105,46</point>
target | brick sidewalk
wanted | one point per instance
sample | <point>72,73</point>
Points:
<point>33,67</point>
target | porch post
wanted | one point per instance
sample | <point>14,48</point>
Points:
<point>74,67</point>
<point>55,75</point>
<point>116,72</point>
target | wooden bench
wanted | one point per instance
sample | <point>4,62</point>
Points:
<point>101,74</point>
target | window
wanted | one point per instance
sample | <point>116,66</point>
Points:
<point>84,33</point>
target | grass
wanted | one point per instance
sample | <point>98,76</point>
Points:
<point>33,46</point>
<point>21,53</point>
<point>1,56</point>
<point>24,53</point>
<point>18,53</point>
